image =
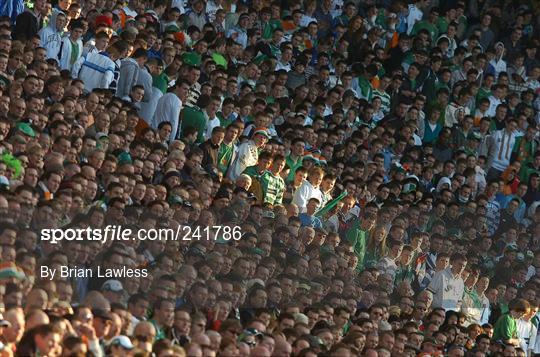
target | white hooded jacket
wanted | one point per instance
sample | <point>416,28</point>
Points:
<point>64,54</point>
<point>96,70</point>
<point>50,37</point>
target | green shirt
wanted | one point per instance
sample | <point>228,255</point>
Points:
<point>74,52</point>
<point>526,172</point>
<point>160,333</point>
<point>225,154</point>
<point>385,100</point>
<point>253,171</point>
<point>371,257</point>
<point>224,122</point>
<point>293,166</point>
<point>482,93</point>
<point>505,328</point>
<point>366,88</point>
<point>421,25</point>
<point>273,188</point>
<point>161,82</point>
<point>525,150</point>
<point>357,238</point>
<point>442,24</point>
<point>193,117</point>
<point>269,27</point>
<point>404,274</point>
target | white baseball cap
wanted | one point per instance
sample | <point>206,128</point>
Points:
<point>122,341</point>
<point>112,285</point>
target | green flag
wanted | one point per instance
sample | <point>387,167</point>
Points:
<point>330,205</point>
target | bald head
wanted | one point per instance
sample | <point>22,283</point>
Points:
<point>36,318</point>
<point>95,300</point>
<point>3,202</point>
<point>201,339</point>
<point>144,328</point>
<point>282,348</point>
<point>260,351</point>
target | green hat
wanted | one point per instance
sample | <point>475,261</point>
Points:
<point>260,58</point>
<point>26,129</point>
<point>176,200</point>
<point>262,131</point>
<point>474,135</point>
<point>220,60</point>
<point>257,251</point>
<point>398,168</point>
<point>124,158</point>
<point>10,270</point>
<point>409,187</point>
<point>4,81</point>
<point>192,59</point>
<point>172,28</point>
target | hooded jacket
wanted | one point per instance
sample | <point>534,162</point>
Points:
<point>50,37</point>
<point>129,76</point>
<point>96,70</point>
<point>498,64</point>
<point>64,54</point>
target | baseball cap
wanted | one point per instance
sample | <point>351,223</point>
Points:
<point>192,59</point>
<point>26,129</point>
<point>101,135</point>
<point>102,314</point>
<point>112,285</point>
<point>176,200</point>
<point>4,323</point>
<point>474,135</point>
<point>262,131</point>
<point>10,270</point>
<point>301,318</point>
<point>122,341</point>
<point>103,20</point>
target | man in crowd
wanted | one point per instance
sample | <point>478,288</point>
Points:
<point>301,179</point>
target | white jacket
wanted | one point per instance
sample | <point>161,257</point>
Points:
<point>96,70</point>
<point>50,38</point>
<point>304,193</point>
<point>168,108</point>
<point>248,155</point>
<point>64,54</point>
<point>501,149</point>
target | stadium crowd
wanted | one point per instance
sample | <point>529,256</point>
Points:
<point>378,159</point>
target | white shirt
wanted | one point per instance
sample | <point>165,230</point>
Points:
<point>493,103</point>
<point>475,314</point>
<point>387,265</point>
<point>179,4</point>
<point>211,124</point>
<point>447,290</point>
<point>211,9</point>
<point>503,143</point>
<point>168,109</point>
<point>525,334</point>
<point>304,193</point>
<point>305,20</point>
<point>498,65</point>
<point>248,155</point>
<point>415,14</point>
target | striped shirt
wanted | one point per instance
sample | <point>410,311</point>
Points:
<point>273,188</point>
<point>193,94</point>
<point>385,99</point>
<point>116,74</point>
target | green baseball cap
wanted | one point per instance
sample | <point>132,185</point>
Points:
<point>26,129</point>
